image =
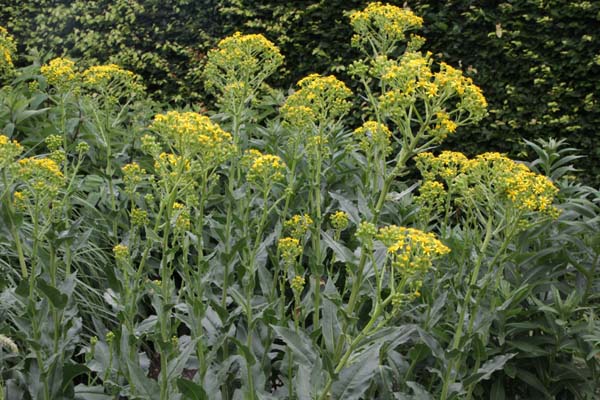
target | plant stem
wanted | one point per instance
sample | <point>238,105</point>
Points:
<point>448,378</point>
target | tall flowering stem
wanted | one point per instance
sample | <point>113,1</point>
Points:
<point>420,106</point>
<point>316,108</point>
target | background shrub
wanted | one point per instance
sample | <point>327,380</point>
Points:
<point>536,61</point>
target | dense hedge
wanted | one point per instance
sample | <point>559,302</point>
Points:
<point>537,61</point>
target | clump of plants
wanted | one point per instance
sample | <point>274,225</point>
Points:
<point>269,251</point>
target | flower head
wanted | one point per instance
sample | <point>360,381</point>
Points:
<point>9,151</point>
<point>297,283</point>
<point>239,65</point>
<point>42,175</point>
<point>320,99</point>
<point>121,252</point>
<point>7,52</point>
<point>289,249</point>
<point>59,72</point>
<point>379,27</point>
<point>298,225</point>
<point>412,249</point>
<point>266,169</point>
<point>112,80</point>
<point>374,137</point>
<point>339,220</point>
<point>195,135</point>
<point>133,175</point>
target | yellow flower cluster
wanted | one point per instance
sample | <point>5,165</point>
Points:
<point>412,249</point>
<point>174,172</point>
<point>319,100</point>
<point>289,249</point>
<point>139,217</point>
<point>374,137</point>
<point>339,220</point>
<point>172,162</point>
<point>249,157</point>
<point>298,225</point>
<point>192,134</point>
<point>379,27</point>
<point>7,51</point>
<point>444,125</point>
<point>472,99</point>
<point>297,283</point>
<point>266,169</point>
<point>133,175</point>
<point>489,177</point>
<point>9,150</point>
<point>431,198</point>
<point>447,165</point>
<point>42,175</point>
<point>60,72</point>
<point>525,189</point>
<point>365,232</point>
<point>181,217</point>
<point>239,65</point>
<point>20,200</point>
<point>120,82</point>
<point>453,98</point>
<point>121,252</point>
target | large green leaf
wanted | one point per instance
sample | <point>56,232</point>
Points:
<point>57,298</point>
<point>488,368</point>
<point>299,343</point>
<point>355,379</point>
<point>191,390</point>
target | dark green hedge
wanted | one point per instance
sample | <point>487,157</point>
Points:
<point>538,61</point>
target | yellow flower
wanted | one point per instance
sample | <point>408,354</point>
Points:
<point>42,175</point>
<point>320,99</point>
<point>59,72</point>
<point>112,80</point>
<point>289,249</point>
<point>298,225</point>
<point>7,52</point>
<point>379,27</point>
<point>266,169</point>
<point>181,217</point>
<point>121,252</point>
<point>297,283</point>
<point>195,135</point>
<point>374,136</point>
<point>133,175</point>
<point>339,220</point>
<point>239,65</point>
<point>9,150</point>
<point>412,248</point>
<point>490,177</point>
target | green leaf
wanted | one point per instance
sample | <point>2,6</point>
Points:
<point>330,324</point>
<point>419,391</point>
<point>58,299</point>
<point>299,343</point>
<point>533,381</point>
<point>488,368</point>
<point>191,390</point>
<point>143,384</point>
<point>342,252</point>
<point>354,380</point>
<point>83,392</point>
<point>70,372</point>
